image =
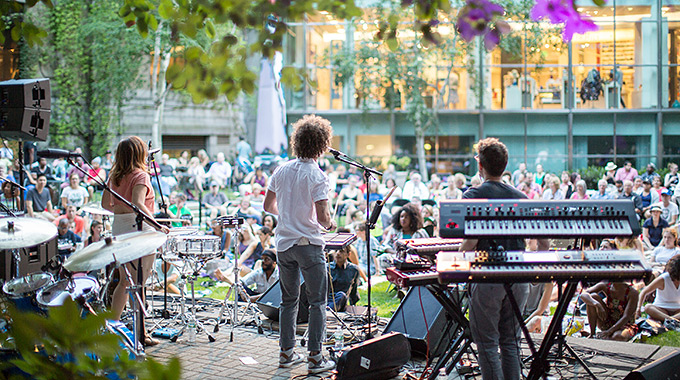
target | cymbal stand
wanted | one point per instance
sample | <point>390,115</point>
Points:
<point>235,224</point>
<point>139,311</point>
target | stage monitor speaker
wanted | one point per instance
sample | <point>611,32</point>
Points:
<point>270,302</point>
<point>668,367</point>
<point>409,320</point>
<point>24,123</point>
<point>374,359</point>
<point>32,259</point>
<point>26,93</point>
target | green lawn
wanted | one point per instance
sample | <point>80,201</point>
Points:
<point>385,302</point>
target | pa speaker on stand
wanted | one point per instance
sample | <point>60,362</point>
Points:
<point>25,109</point>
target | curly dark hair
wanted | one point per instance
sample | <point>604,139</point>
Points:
<point>415,217</point>
<point>673,267</point>
<point>311,136</point>
<point>493,156</point>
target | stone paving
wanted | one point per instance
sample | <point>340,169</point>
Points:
<point>252,355</point>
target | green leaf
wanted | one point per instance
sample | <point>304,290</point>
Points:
<point>142,27</point>
<point>599,3</point>
<point>173,71</point>
<point>165,9</point>
<point>15,33</point>
<point>193,53</point>
<point>392,44</point>
<point>124,10</point>
<point>210,29</point>
<point>152,21</point>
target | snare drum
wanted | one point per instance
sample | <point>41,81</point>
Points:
<point>22,291</point>
<point>170,246</point>
<point>197,245</point>
<point>55,294</point>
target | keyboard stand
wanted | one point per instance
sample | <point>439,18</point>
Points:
<point>455,305</point>
<point>540,365</point>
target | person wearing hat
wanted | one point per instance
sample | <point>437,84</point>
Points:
<point>628,193</point>
<point>215,202</point>
<point>652,228</point>
<point>98,173</point>
<point>610,173</point>
<point>669,210</point>
<point>263,277</point>
<point>650,173</point>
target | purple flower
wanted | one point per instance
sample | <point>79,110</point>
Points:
<point>563,12</point>
<point>492,39</point>
<point>480,18</point>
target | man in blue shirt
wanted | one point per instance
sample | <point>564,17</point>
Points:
<point>344,281</point>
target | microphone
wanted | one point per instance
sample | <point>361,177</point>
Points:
<point>336,153</point>
<point>57,153</point>
<point>154,151</point>
<point>12,183</point>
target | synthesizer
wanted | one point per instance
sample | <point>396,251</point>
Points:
<point>408,278</point>
<point>524,218</point>
<point>542,266</point>
<point>427,247</point>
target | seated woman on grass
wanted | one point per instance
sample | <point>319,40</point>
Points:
<point>666,304</point>
<point>615,314</point>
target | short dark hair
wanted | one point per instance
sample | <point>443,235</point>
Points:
<point>673,267</point>
<point>311,136</point>
<point>270,253</point>
<point>493,155</point>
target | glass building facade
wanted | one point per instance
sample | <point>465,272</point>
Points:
<point>608,95</point>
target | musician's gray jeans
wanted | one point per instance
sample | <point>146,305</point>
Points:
<point>493,325</point>
<point>310,260</point>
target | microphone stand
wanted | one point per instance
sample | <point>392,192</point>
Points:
<point>152,159</point>
<point>369,226</point>
<point>139,330</point>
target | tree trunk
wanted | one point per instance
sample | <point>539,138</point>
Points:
<point>159,87</point>
<point>420,147</point>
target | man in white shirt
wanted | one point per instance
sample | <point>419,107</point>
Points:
<point>220,171</point>
<point>298,193</point>
<point>263,277</point>
<point>415,188</point>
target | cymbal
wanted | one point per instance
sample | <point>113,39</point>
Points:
<point>183,230</point>
<point>95,208</point>
<point>25,232</point>
<point>121,249</point>
<point>169,220</point>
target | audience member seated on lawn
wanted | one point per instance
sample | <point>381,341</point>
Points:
<point>360,245</point>
<point>348,199</point>
<point>669,210</point>
<point>165,270</point>
<point>225,239</point>
<point>39,200</point>
<point>344,281</point>
<point>98,173</point>
<point>667,301</point>
<point>246,211</point>
<point>74,194</point>
<point>196,175</point>
<point>667,249</point>
<point>220,171</point>
<point>215,201</point>
<point>615,314</point>
<point>255,249</point>
<point>263,277</point>
<point>407,223</point>
<point>652,229</point>
<point>627,243</point>
<point>76,223</point>
<point>66,239</point>
<point>179,210</point>
<point>270,221</point>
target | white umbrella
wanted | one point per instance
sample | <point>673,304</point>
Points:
<point>271,107</point>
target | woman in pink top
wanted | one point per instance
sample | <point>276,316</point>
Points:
<point>130,179</point>
<point>580,192</point>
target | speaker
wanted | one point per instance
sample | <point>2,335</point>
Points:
<point>32,259</point>
<point>24,123</point>
<point>25,109</point>
<point>668,367</point>
<point>374,359</point>
<point>270,302</point>
<point>26,93</point>
<point>409,320</point>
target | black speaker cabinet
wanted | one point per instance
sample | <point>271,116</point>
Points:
<point>24,123</point>
<point>409,320</point>
<point>374,359</point>
<point>25,93</point>
<point>665,368</point>
<point>32,259</point>
<point>270,302</point>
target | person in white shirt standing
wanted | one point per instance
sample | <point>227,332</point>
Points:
<point>298,194</point>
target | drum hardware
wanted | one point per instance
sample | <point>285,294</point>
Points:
<point>96,208</point>
<point>22,291</point>
<point>194,251</point>
<point>24,232</point>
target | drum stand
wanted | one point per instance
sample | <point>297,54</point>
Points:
<point>185,317</point>
<point>139,311</point>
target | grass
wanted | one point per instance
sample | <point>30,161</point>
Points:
<point>385,301</point>
<point>670,339</point>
